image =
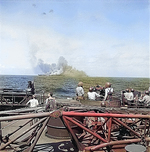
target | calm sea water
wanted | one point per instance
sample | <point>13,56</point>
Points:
<point>65,87</point>
<point>15,81</point>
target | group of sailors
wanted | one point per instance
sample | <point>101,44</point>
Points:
<point>95,93</point>
<point>130,97</point>
<point>50,102</point>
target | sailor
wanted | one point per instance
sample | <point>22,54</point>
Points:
<point>92,95</point>
<point>50,103</point>
<point>108,91</point>
<point>129,95</point>
<point>123,100</point>
<point>134,92</point>
<point>31,88</point>
<point>145,99</point>
<point>100,90</point>
<point>80,91</point>
<point>33,102</point>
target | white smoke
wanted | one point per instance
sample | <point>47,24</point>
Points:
<point>51,69</point>
<point>45,68</point>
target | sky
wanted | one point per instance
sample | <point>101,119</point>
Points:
<point>103,38</point>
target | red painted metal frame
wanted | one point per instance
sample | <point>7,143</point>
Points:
<point>107,127</point>
<point>119,120</point>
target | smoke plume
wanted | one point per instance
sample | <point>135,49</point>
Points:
<point>51,69</point>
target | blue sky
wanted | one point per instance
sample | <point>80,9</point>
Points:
<point>104,38</point>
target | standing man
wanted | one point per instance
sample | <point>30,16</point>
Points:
<point>33,102</point>
<point>31,88</point>
<point>50,103</point>
<point>80,91</point>
<point>108,91</point>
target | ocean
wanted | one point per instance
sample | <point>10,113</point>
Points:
<point>64,87</point>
